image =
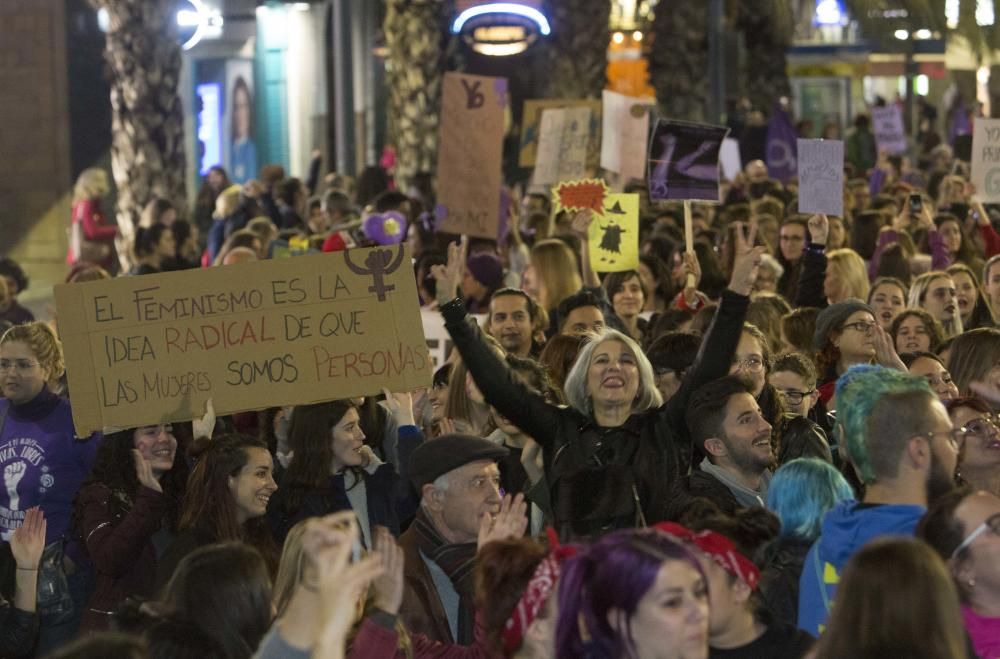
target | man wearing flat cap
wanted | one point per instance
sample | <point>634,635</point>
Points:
<point>459,485</point>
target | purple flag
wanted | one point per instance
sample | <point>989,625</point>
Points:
<point>959,122</point>
<point>781,146</point>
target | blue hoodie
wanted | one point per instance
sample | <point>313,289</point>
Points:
<point>846,528</point>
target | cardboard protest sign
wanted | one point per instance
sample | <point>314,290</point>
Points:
<point>624,131</point>
<point>986,160</point>
<point>684,160</point>
<point>614,235</point>
<point>821,177</point>
<point>469,154</point>
<point>577,195</point>
<point>887,123</point>
<point>730,159</point>
<point>531,119</point>
<point>153,349</point>
<point>562,147</point>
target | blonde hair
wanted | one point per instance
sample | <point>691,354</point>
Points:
<point>43,342</point>
<point>227,202</point>
<point>918,293</point>
<point>290,568</point>
<point>91,184</point>
<point>557,270</point>
<point>264,228</point>
<point>850,268</point>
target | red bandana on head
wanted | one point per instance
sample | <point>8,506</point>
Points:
<point>720,548</point>
<point>540,587</point>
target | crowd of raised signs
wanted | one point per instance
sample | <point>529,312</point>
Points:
<point>781,442</point>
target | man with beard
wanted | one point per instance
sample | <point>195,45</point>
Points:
<point>727,423</point>
<point>901,443</point>
<point>513,321</point>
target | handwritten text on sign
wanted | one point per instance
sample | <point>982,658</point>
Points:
<point>986,159</point>
<point>154,348</point>
<point>821,176</point>
<point>469,154</point>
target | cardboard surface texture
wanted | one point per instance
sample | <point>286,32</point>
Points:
<point>469,154</point>
<point>155,348</point>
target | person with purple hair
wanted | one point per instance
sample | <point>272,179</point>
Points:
<point>633,593</point>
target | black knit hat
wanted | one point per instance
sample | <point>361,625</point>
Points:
<point>833,317</point>
<point>436,457</point>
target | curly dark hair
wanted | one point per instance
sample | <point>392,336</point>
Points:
<point>114,467</point>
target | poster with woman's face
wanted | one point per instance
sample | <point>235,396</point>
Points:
<point>241,147</point>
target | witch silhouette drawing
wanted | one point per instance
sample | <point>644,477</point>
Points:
<point>611,241</point>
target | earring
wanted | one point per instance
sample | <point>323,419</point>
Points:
<point>972,583</point>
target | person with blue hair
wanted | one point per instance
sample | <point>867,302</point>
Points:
<point>801,493</point>
<point>899,439</point>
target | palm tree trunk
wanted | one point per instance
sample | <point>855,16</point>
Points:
<point>678,59</point>
<point>578,47</point>
<point>147,124</point>
<point>767,37</point>
<point>413,35</point>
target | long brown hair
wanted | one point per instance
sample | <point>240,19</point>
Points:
<point>503,570</point>
<point>209,509</point>
<point>895,599</point>
<point>311,443</point>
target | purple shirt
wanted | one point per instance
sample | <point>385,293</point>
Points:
<point>984,632</point>
<point>41,463</point>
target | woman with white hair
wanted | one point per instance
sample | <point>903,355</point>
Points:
<point>615,455</point>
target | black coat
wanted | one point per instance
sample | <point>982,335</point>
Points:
<point>597,474</point>
<point>779,581</point>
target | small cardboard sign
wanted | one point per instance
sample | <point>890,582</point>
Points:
<point>821,177</point>
<point>684,160</point>
<point>562,147</point>
<point>152,349</point>
<point>469,173</point>
<point>986,159</point>
<point>531,118</point>
<point>890,136</point>
<point>578,195</point>
<point>614,235</point>
<point>624,131</point>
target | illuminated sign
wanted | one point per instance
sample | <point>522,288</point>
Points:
<point>195,21</point>
<point>209,126</point>
<point>500,28</point>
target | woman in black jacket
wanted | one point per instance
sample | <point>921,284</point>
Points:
<point>332,469</point>
<point>615,456</point>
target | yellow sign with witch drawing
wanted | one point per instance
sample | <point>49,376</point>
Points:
<point>614,235</point>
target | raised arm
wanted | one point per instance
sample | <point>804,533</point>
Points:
<point>525,409</point>
<point>716,353</point>
<point>581,229</point>
<point>810,293</point>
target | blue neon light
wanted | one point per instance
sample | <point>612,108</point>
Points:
<point>210,125</point>
<point>502,8</point>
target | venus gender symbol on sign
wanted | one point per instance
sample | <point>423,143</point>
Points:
<point>378,266</point>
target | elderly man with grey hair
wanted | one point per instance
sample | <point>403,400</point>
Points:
<point>459,485</point>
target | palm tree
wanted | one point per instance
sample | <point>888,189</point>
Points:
<point>678,59</point>
<point>767,35</point>
<point>415,31</point>
<point>577,47</point>
<point>147,124</point>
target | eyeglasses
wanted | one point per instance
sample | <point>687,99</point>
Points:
<point>991,524</point>
<point>752,364</point>
<point>795,397</point>
<point>984,427</point>
<point>860,326</point>
<point>955,435</point>
<point>19,365</point>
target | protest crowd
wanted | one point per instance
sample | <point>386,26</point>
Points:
<point>773,437</point>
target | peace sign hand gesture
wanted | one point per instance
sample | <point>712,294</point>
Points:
<point>747,260</point>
